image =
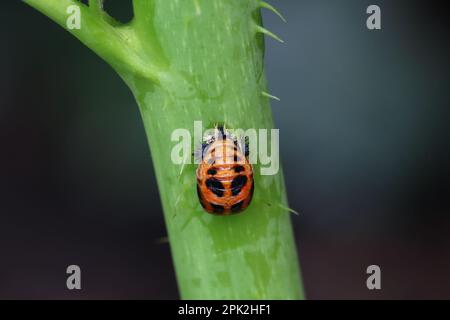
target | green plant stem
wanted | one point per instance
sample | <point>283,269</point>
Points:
<point>202,60</point>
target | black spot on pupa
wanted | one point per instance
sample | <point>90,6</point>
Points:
<point>215,186</point>
<point>211,171</point>
<point>237,206</point>
<point>237,184</point>
<point>217,208</point>
<point>238,169</point>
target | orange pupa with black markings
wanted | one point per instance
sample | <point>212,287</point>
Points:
<point>224,176</point>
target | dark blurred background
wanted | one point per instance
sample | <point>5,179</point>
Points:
<point>365,133</point>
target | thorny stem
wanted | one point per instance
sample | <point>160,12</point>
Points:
<point>201,60</point>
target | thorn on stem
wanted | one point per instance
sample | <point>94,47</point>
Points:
<point>288,209</point>
<point>268,33</point>
<point>271,8</point>
<point>270,96</point>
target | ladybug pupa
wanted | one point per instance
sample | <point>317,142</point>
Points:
<point>224,176</point>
